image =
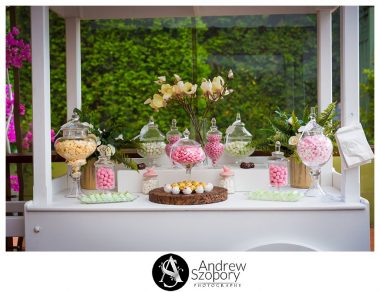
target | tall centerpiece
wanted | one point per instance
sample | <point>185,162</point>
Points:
<point>186,95</point>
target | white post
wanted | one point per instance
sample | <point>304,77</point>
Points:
<point>324,44</point>
<point>349,88</point>
<point>42,178</point>
<point>73,65</point>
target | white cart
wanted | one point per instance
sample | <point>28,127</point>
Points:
<point>53,222</point>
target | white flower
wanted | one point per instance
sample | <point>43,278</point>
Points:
<point>120,137</point>
<point>100,131</point>
<point>294,140</point>
<point>189,88</point>
<point>290,121</point>
<point>91,126</point>
<point>113,150</point>
<point>161,79</point>
<point>148,101</point>
<point>217,84</point>
<point>177,77</point>
<point>230,74</point>
<point>206,87</point>
<point>166,91</point>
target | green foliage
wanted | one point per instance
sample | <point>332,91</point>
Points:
<point>367,114</point>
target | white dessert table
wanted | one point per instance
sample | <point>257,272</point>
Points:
<point>237,224</point>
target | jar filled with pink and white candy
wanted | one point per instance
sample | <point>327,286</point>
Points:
<point>105,175</point>
<point>278,167</point>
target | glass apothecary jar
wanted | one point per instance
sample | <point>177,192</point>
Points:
<point>227,179</point>
<point>75,146</point>
<point>172,136</point>
<point>314,149</point>
<point>105,175</point>
<point>214,148</point>
<point>278,167</point>
<point>187,153</point>
<point>238,140</point>
<point>152,142</point>
<point>150,181</point>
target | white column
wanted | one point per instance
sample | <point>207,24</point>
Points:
<point>324,44</point>
<point>73,65</point>
<point>42,178</point>
<point>349,88</point>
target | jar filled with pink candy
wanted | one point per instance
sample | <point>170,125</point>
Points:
<point>172,136</point>
<point>278,167</point>
<point>187,153</point>
<point>314,149</point>
<point>105,170</point>
<point>214,148</point>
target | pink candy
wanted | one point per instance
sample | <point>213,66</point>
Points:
<point>188,154</point>
<point>214,149</point>
<point>278,175</point>
<point>105,178</point>
<point>171,140</point>
<point>314,150</point>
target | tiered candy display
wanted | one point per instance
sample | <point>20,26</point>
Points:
<point>187,153</point>
<point>214,149</point>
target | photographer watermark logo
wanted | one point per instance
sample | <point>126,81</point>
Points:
<point>170,272</point>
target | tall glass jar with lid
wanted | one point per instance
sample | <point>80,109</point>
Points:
<point>214,148</point>
<point>152,142</point>
<point>172,136</point>
<point>238,140</point>
<point>278,167</point>
<point>75,146</point>
<point>105,175</point>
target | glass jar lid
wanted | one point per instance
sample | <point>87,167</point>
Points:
<point>74,129</point>
<point>173,130</point>
<point>277,154</point>
<point>105,153</point>
<point>214,129</point>
<point>312,127</point>
<point>151,133</point>
<point>237,130</point>
<point>186,141</point>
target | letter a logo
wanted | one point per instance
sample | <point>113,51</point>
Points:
<point>170,272</point>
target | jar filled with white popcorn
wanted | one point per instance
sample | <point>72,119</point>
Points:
<point>75,146</point>
<point>150,181</point>
<point>152,143</point>
<point>227,180</point>
<point>238,140</point>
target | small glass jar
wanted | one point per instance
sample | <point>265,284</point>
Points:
<point>105,175</point>
<point>227,180</point>
<point>172,136</point>
<point>152,142</point>
<point>75,146</point>
<point>278,167</point>
<point>187,153</point>
<point>150,181</point>
<point>238,140</point>
<point>213,148</point>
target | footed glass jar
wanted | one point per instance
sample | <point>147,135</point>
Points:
<point>152,142</point>
<point>75,146</point>
<point>278,167</point>
<point>172,136</point>
<point>238,140</point>
<point>187,153</point>
<point>314,149</point>
<point>213,148</point>
<point>105,175</point>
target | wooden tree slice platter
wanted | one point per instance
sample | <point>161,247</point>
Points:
<point>159,196</point>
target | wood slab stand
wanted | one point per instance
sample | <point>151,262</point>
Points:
<point>159,196</point>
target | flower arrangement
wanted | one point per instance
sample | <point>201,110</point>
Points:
<point>287,128</point>
<point>114,139</point>
<point>186,95</point>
